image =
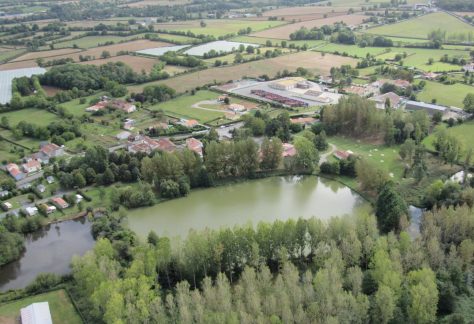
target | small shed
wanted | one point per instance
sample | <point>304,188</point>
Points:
<point>36,313</point>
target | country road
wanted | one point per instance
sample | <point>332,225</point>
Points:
<point>324,157</point>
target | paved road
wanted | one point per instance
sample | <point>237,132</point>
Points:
<point>225,132</point>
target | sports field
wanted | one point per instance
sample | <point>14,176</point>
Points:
<point>420,27</point>
<point>449,95</point>
<point>60,306</point>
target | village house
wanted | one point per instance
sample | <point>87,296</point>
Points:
<point>123,106</point>
<point>7,206</point>
<point>98,106</point>
<point>124,135</point>
<point>129,124</point>
<point>164,144</point>
<point>59,202</point>
<point>145,144</point>
<point>30,211</point>
<point>41,188</point>
<point>469,67</point>
<point>189,123</point>
<point>289,150</point>
<point>47,151</point>
<point>342,155</point>
<point>195,145</point>
<point>303,121</point>
<point>50,179</point>
<point>48,209</point>
<point>31,166</point>
<point>14,171</point>
<point>79,198</point>
<point>394,99</point>
<point>361,91</point>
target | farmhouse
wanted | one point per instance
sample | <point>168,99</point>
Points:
<point>394,99</point>
<point>36,313</point>
<point>98,106</point>
<point>342,155</point>
<point>123,106</point>
<point>31,166</point>
<point>289,150</point>
<point>51,150</point>
<point>194,145</point>
<point>60,203</point>
<point>431,109</point>
<point>14,170</point>
<point>303,121</point>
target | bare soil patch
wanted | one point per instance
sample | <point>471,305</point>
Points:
<point>283,32</point>
<point>50,91</point>
<point>18,65</point>
<point>312,61</point>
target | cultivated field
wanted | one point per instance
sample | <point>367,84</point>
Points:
<point>94,41</point>
<point>61,308</point>
<point>305,12</point>
<point>283,32</point>
<point>218,27</point>
<point>18,65</point>
<point>420,27</point>
<point>351,50</point>
<point>275,41</point>
<point>312,61</point>
<point>144,3</point>
<point>44,54</point>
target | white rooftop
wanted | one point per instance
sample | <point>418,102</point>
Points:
<point>6,78</point>
<point>37,313</point>
<point>218,46</point>
<point>158,51</point>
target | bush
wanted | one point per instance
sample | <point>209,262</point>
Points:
<point>44,281</point>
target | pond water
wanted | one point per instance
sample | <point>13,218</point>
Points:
<point>247,202</point>
<point>48,250</point>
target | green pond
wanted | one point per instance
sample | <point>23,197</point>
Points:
<point>267,200</point>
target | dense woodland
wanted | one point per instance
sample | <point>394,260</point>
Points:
<point>287,272</point>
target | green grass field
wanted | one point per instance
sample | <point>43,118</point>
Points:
<point>94,41</point>
<point>61,308</point>
<point>351,50</point>
<point>464,133</point>
<point>420,27</point>
<point>387,157</point>
<point>419,57</point>
<point>177,38</point>
<point>221,27</point>
<point>8,55</point>
<point>181,107</point>
<point>449,95</point>
<point>31,115</point>
<point>263,41</point>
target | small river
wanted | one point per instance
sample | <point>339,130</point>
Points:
<point>248,202</point>
<point>48,250</point>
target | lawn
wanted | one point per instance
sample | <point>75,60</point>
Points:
<point>221,27</point>
<point>420,27</point>
<point>32,115</point>
<point>387,157</point>
<point>449,95</point>
<point>61,308</point>
<point>464,133</point>
<point>181,107</point>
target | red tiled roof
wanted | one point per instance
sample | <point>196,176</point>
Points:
<point>165,144</point>
<point>194,145</point>
<point>50,148</point>
<point>288,150</point>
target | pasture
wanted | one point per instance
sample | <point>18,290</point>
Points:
<point>420,27</point>
<point>449,95</point>
<point>283,32</point>
<point>5,56</point>
<point>60,306</point>
<point>137,63</point>
<point>94,41</point>
<point>351,50</point>
<point>45,54</point>
<point>219,27</point>
<point>32,115</point>
<point>276,41</point>
<point>314,62</point>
